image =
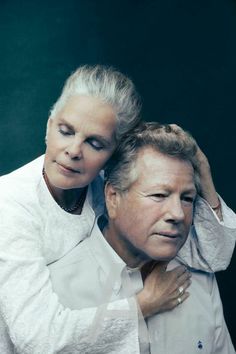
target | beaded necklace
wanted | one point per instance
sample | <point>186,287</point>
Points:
<point>78,204</point>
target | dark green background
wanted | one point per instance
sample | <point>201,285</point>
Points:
<point>181,55</point>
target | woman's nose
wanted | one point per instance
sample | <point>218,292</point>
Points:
<point>74,150</point>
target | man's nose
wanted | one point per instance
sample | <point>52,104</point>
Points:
<point>174,211</point>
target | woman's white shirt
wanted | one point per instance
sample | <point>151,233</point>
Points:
<point>35,232</point>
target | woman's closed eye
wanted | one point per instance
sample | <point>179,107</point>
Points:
<point>64,130</point>
<point>96,144</point>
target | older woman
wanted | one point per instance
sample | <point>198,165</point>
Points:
<point>49,205</point>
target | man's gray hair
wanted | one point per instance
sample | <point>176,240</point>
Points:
<point>109,85</point>
<point>167,139</point>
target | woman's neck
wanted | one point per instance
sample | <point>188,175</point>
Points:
<point>70,200</point>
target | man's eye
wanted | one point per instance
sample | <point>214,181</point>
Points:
<point>158,196</point>
<point>188,199</point>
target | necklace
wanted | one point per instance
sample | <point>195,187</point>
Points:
<point>78,204</point>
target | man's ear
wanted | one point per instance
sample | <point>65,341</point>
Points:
<point>112,197</point>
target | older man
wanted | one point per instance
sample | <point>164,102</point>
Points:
<point>151,187</point>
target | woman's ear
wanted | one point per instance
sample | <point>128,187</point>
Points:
<point>49,123</point>
<point>112,197</point>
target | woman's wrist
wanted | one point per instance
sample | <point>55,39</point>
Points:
<point>143,305</point>
<point>217,209</point>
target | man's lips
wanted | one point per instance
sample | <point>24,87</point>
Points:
<point>169,234</point>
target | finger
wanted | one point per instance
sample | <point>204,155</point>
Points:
<point>153,269</point>
<point>175,126</point>
<point>182,298</point>
<point>161,267</point>
<point>182,288</point>
<point>178,301</point>
<point>183,277</point>
<point>147,268</point>
<point>179,271</point>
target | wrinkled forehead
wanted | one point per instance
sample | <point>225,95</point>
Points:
<point>152,166</point>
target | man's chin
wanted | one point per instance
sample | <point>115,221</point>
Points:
<point>165,257</point>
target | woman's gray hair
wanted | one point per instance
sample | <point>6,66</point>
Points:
<point>109,85</point>
<point>171,140</point>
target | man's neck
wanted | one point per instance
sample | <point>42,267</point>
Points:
<point>126,252</point>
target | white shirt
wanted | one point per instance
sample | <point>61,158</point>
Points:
<point>35,231</point>
<point>93,274</point>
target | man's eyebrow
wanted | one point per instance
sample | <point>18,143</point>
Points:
<point>190,190</point>
<point>167,187</point>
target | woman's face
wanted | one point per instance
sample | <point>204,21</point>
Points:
<point>80,139</point>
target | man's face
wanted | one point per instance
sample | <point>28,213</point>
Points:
<point>152,219</point>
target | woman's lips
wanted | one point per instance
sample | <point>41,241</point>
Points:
<point>67,168</point>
